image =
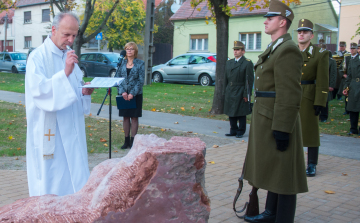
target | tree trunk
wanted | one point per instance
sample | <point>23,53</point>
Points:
<point>79,41</point>
<point>222,41</point>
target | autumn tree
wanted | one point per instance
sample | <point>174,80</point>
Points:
<point>7,4</point>
<point>125,24</point>
<point>165,33</point>
<point>221,12</point>
<point>81,38</point>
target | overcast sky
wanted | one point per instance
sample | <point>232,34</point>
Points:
<point>336,6</point>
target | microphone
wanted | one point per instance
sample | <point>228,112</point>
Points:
<point>122,55</point>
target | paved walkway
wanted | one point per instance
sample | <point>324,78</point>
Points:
<point>340,175</point>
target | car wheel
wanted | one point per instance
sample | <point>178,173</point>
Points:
<point>83,71</point>
<point>157,77</point>
<point>205,80</point>
<point>112,73</point>
<point>14,70</point>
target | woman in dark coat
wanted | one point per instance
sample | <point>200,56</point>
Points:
<point>133,70</point>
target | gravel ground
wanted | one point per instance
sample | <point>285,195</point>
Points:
<point>19,163</point>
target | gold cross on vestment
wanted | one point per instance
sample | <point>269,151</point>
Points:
<point>49,134</point>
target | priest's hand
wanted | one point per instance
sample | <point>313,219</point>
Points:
<point>71,59</point>
<point>130,96</point>
<point>245,99</point>
<point>87,91</point>
<point>125,96</point>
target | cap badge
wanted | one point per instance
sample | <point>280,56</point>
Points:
<point>302,25</point>
<point>302,20</point>
<point>287,13</point>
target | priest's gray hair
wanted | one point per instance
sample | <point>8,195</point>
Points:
<point>60,16</point>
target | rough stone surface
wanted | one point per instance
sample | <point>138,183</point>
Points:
<point>157,181</point>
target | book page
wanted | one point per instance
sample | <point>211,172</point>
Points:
<point>104,82</point>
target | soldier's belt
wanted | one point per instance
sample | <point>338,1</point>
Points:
<point>235,84</point>
<point>308,82</point>
<point>265,94</point>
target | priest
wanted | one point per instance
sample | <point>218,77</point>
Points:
<point>56,150</point>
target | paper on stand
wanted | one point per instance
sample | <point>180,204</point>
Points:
<point>104,82</point>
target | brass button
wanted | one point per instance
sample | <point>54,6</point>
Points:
<point>257,78</point>
<point>302,73</point>
<point>261,67</point>
<point>255,100</point>
<point>304,65</point>
<point>308,57</point>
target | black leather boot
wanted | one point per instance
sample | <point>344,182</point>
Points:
<point>232,133</point>
<point>269,215</point>
<point>313,155</point>
<point>286,208</point>
<point>131,141</point>
<point>127,143</point>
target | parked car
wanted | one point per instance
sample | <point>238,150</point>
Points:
<point>99,64</point>
<point>28,53</point>
<point>14,62</point>
<point>189,67</point>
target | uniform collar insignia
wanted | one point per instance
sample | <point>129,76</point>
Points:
<point>277,43</point>
<point>322,50</point>
<point>311,49</point>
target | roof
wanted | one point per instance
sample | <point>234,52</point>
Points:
<point>10,13</point>
<point>157,2</point>
<point>186,12</point>
<point>23,3</point>
<point>328,27</point>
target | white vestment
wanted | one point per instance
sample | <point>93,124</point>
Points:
<point>68,171</point>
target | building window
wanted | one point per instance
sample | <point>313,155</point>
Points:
<point>252,41</point>
<point>328,39</point>
<point>199,42</point>
<point>27,17</point>
<point>27,42</point>
<point>320,36</point>
<point>46,15</point>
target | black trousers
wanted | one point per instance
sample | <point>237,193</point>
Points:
<point>313,155</point>
<point>346,104</point>
<point>283,205</point>
<point>234,128</point>
<point>334,93</point>
<point>354,118</point>
<point>324,112</point>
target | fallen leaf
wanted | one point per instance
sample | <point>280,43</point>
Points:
<point>90,114</point>
<point>115,151</point>
<point>176,122</point>
<point>90,134</point>
<point>89,126</point>
<point>19,148</point>
<point>165,93</point>
<point>215,146</point>
<point>212,162</point>
<point>200,109</point>
<point>189,132</point>
<point>103,140</point>
<point>11,137</point>
<point>92,150</point>
<point>208,101</point>
<point>10,123</point>
<point>16,158</point>
<point>204,91</point>
<point>332,119</point>
<point>182,108</point>
<point>242,140</point>
<point>215,132</point>
<point>344,174</point>
<point>105,144</point>
<point>329,192</point>
<point>154,109</point>
<point>192,107</point>
<point>163,130</point>
<point>194,92</point>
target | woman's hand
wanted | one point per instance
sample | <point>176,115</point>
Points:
<point>125,96</point>
<point>130,96</point>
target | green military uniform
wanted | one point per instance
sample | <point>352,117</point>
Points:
<point>332,76</point>
<point>236,88</point>
<point>342,71</point>
<point>278,69</point>
<point>315,68</point>
<point>353,84</point>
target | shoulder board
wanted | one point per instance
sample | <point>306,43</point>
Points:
<point>248,59</point>
<point>321,50</point>
<point>347,54</point>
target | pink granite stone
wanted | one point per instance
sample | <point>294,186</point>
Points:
<point>157,181</point>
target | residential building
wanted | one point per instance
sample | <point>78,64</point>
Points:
<point>10,32</point>
<point>349,21</point>
<point>192,34</point>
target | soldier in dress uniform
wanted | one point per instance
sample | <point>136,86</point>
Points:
<point>239,79</point>
<point>315,88</point>
<point>358,48</point>
<point>352,90</point>
<point>275,156</point>
<point>342,51</point>
<point>324,113</point>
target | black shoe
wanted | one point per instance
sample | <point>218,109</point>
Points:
<point>131,141</point>
<point>311,170</point>
<point>239,135</point>
<point>266,216</point>
<point>351,133</point>
<point>230,134</point>
<point>323,120</point>
<point>127,143</point>
<point>345,113</point>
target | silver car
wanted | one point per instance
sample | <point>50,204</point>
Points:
<point>13,62</point>
<point>189,67</point>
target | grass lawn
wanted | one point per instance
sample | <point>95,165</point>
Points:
<point>13,132</point>
<point>184,99</point>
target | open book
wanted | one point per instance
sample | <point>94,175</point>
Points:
<point>104,82</point>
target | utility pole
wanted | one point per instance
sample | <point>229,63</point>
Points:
<point>5,26</point>
<point>149,48</point>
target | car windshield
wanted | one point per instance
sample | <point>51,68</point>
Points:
<point>113,57</point>
<point>18,56</point>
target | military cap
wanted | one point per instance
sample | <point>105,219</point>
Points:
<point>238,45</point>
<point>342,43</point>
<point>322,44</point>
<point>305,25</point>
<point>353,45</point>
<point>277,8</point>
